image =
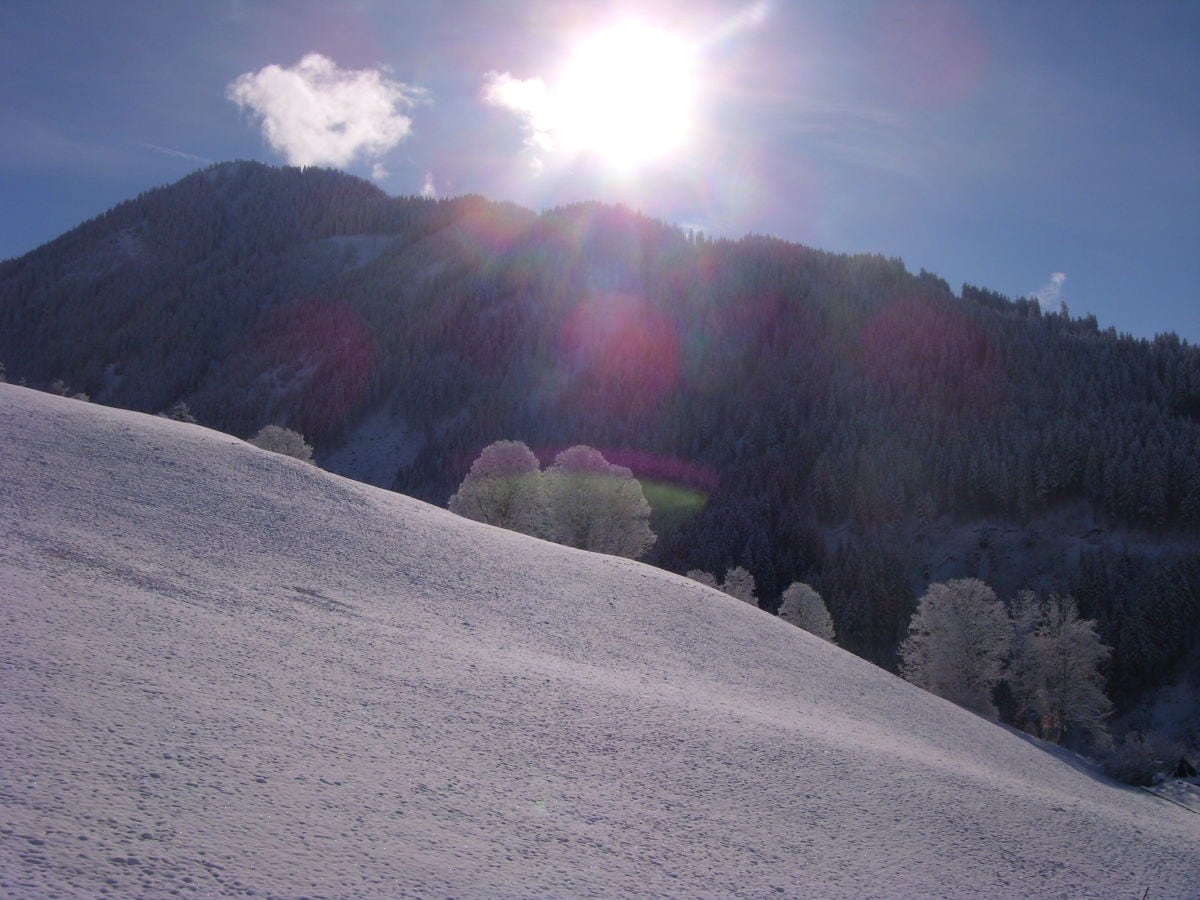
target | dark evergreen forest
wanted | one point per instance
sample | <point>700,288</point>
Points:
<point>813,417</point>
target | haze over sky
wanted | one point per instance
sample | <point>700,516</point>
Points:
<point>1030,148</point>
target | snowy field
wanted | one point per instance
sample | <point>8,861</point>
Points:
<point>225,673</point>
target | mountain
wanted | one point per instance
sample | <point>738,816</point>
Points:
<point>228,672</point>
<point>810,416</point>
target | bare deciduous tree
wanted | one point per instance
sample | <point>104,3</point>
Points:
<point>503,488</point>
<point>1054,674</point>
<point>957,642</point>
<point>804,608</point>
<point>284,441</point>
<point>596,505</point>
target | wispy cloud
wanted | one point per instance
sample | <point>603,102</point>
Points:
<point>1051,292</point>
<point>862,136</point>
<point>178,154</point>
<point>317,114</point>
<point>428,189</point>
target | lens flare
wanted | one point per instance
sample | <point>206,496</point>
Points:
<point>618,351</point>
<point>934,356</point>
<point>675,488</point>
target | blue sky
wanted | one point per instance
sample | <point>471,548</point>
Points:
<point>996,143</point>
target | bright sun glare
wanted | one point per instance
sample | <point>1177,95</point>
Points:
<point>627,95</point>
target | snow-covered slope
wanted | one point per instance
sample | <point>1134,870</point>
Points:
<point>224,671</point>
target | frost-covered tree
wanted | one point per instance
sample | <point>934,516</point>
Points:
<point>1054,674</point>
<point>740,583</point>
<point>284,441</point>
<point>804,608</point>
<point>504,488</point>
<point>596,505</point>
<point>957,643</point>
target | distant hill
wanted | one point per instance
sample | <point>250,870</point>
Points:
<point>811,416</point>
<point>226,671</point>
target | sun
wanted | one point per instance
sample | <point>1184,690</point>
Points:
<point>627,95</point>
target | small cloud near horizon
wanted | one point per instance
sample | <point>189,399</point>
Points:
<point>318,114</point>
<point>1051,291</point>
<point>428,188</point>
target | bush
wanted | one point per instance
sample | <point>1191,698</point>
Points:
<point>1142,759</point>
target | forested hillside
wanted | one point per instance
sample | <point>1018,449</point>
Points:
<point>811,416</point>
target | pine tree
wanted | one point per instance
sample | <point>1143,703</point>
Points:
<point>180,413</point>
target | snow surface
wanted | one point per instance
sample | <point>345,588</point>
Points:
<point>225,671</point>
<point>1185,792</point>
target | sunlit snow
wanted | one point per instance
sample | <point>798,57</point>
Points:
<point>223,670</point>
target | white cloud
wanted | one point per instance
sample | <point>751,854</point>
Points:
<point>530,99</point>
<point>1051,291</point>
<point>428,189</point>
<point>317,114</point>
